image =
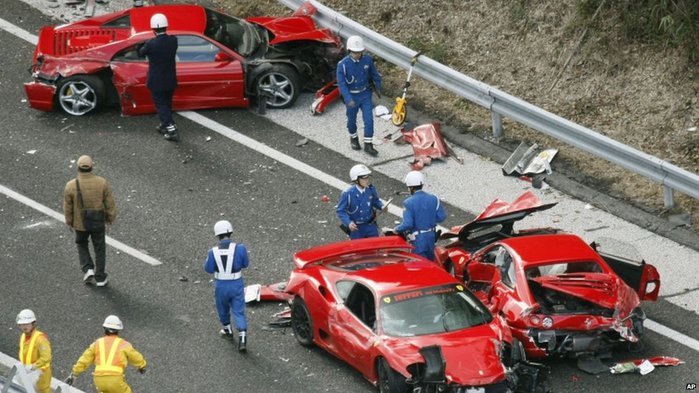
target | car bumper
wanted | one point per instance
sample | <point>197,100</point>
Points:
<point>40,95</point>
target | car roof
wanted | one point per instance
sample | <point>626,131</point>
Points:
<point>338,252</point>
<point>187,17</point>
<point>396,277</point>
<point>550,248</point>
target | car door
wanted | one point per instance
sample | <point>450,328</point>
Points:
<point>349,325</point>
<point>208,76</point>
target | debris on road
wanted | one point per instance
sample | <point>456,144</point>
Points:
<point>428,143</point>
<point>302,142</point>
<point>529,161</point>
<point>644,366</point>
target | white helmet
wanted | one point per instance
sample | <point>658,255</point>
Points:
<point>113,322</point>
<point>158,21</point>
<point>355,44</point>
<point>26,316</point>
<point>414,179</point>
<point>223,227</point>
<point>359,170</point>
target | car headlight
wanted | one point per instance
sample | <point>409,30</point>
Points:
<point>547,323</point>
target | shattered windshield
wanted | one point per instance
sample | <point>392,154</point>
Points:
<point>236,34</point>
<point>431,310</point>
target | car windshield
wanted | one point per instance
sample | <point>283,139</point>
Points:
<point>234,33</point>
<point>431,310</point>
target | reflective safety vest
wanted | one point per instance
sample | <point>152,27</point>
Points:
<point>225,272</point>
<point>104,360</point>
<point>27,357</point>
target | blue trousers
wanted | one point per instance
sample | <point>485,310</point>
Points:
<point>424,245</point>
<point>163,105</point>
<point>365,230</point>
<point>230,294</point>
<point>362,101</point>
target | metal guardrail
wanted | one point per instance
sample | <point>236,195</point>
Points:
<point>670,176</point>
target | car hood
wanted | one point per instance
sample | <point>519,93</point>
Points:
<point>605,290</point>
<point>294,28</point>
<point>471,355</point>
<point>502,213</point>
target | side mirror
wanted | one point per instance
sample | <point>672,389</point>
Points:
<point>222,57</point>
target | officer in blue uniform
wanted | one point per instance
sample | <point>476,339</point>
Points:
<point>422,213</point>
<point>357,205</point>
<point>226,263</point>
<point>355,74</point>
<point>162,74</point>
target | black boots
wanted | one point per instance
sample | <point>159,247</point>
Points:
<point>354,142</point>
<point>242,341</point>
<point>369,149</point>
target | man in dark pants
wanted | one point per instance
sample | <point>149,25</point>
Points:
<point>162,74</point>
<point>95,194</point>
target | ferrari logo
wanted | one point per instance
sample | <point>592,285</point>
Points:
<point>387,300</point>
<point>459,287</point>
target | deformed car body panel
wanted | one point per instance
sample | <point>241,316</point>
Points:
<point>330,279</point>
<point>210,73</point>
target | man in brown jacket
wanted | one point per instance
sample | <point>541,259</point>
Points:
<point>96,195</point>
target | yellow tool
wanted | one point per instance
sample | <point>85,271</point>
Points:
<point>399,110</point>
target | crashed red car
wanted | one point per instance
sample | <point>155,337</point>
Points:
<point>222,61</point>
<point>401,320</point>
<point>559,295</point>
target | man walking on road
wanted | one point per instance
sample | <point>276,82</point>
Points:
<point>356,73</point>
<point>162,74</point>
<point>226,262</point>
<point>357,206</point>
<point>89,193</point>
<point>35,350</point>
<point>111,355</point>
<point>422,213</point>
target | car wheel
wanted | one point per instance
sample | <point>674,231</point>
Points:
<point>301,322</point>
<point>389,380</point>
<point>79,95</point>
<point>280,85</point>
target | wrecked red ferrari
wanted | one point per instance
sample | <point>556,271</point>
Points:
<point>222,61</point>
<point>402,321</point>
<point>559,295</point>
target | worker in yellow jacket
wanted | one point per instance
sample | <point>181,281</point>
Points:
<point>111,355</point>
<point>35,350</point>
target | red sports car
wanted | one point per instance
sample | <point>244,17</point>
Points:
<point>559,295</point>
<point>222,61</point>
<point>401,320</point>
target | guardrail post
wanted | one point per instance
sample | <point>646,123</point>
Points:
<point>497,124</point>
<point>668,197</point>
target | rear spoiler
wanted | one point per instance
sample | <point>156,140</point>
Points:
<point>332,251</point>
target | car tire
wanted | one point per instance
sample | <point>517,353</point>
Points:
<point>389,380</point>
<point>280,86</point>
<point>301,322</point>
<point>81,94</point>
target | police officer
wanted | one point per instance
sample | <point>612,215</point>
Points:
<point>226,262</point>
<point>355,74</point>
<point>111,355</point>
<point>422,213</point>
<point>162,74</point>
<point>35,350</point>
<point>357,205</point>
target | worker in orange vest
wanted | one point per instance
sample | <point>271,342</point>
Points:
<point>111,355</point>
<point>35,350</point>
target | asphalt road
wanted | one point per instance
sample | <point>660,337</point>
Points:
<point>169,196</point>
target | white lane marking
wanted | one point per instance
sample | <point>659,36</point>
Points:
<point>58,216</point>
<point>18,31</point>
<point>324,177</point>
<point>672,334</point>
<point>274,154</point>
<point>9,362</point>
